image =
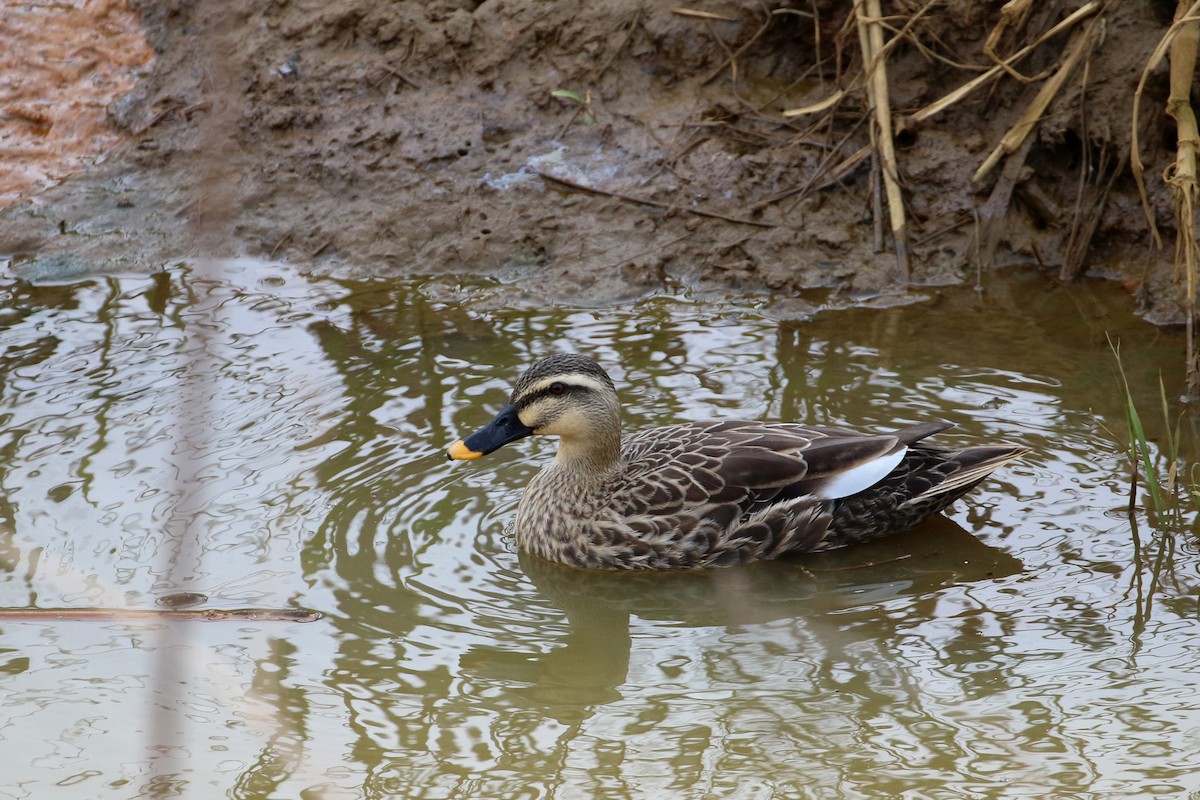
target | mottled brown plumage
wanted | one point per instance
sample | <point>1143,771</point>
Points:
<point>707,494</point>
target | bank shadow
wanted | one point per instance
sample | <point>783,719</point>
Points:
<point>589,663</point>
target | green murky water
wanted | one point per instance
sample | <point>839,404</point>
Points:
<point>269,441</point>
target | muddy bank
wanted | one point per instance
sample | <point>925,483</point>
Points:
<point>362,138</point>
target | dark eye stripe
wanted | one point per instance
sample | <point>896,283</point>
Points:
<point>571,388</point>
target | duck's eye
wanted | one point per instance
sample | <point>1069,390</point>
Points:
<point>558,389</point>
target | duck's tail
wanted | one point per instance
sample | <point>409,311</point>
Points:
<point>927,481</point>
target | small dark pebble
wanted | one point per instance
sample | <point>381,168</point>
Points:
<point>182,600</point>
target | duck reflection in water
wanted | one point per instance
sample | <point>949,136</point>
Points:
<point>590,664</point>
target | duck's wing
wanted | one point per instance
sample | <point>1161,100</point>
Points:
<point>715,493</point>
<point>750,463</point>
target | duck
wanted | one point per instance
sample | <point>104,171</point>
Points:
<point>715,493</point>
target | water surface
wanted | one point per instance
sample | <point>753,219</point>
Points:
<point>236,430</point>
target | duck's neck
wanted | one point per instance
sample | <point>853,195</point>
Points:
<point>597,454</point>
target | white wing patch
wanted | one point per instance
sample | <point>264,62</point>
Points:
<point>864,476</point>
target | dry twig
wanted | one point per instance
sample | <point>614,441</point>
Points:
<point>990,216</point>
<point>692,12</point>
<point>570,184</point>
<point>1014,14</point>
<point>1094,187</point>
<point>979,81</point>
<point>1080,43</point>
<point>731,57</point>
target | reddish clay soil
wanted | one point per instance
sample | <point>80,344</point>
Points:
<point>589,152</point>
<point>60,68</point>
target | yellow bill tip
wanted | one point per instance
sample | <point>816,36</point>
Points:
<point>460,452</point>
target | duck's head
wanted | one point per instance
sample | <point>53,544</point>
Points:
<point>564,395</point>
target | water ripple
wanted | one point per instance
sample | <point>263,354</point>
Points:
<point>267,439</point>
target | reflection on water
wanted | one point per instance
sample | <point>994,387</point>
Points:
<point>235,431</point>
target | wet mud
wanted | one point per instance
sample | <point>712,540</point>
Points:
<point>586,152</point>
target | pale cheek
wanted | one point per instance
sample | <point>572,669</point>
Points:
<point>568,425</point>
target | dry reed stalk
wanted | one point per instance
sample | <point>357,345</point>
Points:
<point>1181,176</point>
<point>879,55</point>
<point>1024,125</point>
<point>869,21</point>
<point>1180,42</point>
<point>1135,157</point>
<point>973,85</point>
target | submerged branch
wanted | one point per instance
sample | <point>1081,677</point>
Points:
<point>151,614</point>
